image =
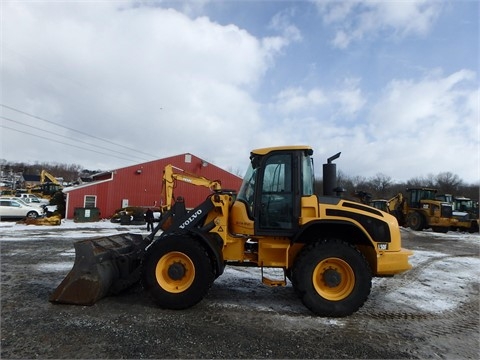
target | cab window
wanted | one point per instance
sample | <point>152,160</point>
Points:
<point>308,176</point>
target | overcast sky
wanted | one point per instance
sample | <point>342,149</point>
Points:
<point>392,85</point>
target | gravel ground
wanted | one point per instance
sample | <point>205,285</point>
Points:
<point>430,312</point>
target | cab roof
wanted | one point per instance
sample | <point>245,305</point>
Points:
<point>264,151</point>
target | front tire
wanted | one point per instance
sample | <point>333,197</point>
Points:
<point>332,278</point>
<point>32,215</point>
<point>177,272</point>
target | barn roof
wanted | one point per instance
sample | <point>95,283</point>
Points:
<point>106,176</point>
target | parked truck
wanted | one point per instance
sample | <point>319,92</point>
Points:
<point>329,248</point>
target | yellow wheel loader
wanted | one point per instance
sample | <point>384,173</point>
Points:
<point>422,209</point>
<point>328,247</point>
<point>465,212</point>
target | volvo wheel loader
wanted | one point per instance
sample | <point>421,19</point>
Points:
<point>328,248</point>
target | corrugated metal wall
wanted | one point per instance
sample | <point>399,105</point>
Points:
<point>141,185</point>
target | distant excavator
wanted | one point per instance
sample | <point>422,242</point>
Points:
<point>48,186</point>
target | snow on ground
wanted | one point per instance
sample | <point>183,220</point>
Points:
<point>443,283</point>
<point>66,224</point>
<point>11,231</point>
<point>438,282</point>
<point>451,235</point>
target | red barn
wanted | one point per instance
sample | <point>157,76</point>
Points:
<point>141,185</point>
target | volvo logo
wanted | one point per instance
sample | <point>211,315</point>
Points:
<point>190,219</point>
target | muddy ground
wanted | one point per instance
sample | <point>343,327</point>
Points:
<point>240,317</point>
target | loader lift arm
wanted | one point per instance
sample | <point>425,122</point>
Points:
<point>176,207</point>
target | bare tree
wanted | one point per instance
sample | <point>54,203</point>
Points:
<point>380,184</point>
<point>448,183</point>
<point>428,181</point>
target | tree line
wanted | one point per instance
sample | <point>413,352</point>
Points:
<point>68,172</point>
<point>380,186</point>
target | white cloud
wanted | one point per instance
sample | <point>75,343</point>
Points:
<point>274,45</point>
<point>146,77</point>
<point>350,99</point>
<point>345,101</point>
<point>416,127</point>
<point>356,20</point>
<point>297,99</point>
<point>432,122</point>
<point>335,11</point>
<point>191,8</point>
<point>281,22</point>
<point>408,106</point>
<point>161,82</point>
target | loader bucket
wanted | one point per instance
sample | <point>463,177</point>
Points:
<point>103,266</point>
<point>50,221</point>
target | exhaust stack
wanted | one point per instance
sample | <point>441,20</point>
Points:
<point>330,176</point>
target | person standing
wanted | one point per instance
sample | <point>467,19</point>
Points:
<point>149,219</point>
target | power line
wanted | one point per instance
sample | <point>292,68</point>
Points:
<point>66,137</point>
<point>75,130</point>
<point>78,147</point>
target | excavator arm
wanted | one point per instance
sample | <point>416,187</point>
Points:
<point>171,174</point>
<point>46,175</point>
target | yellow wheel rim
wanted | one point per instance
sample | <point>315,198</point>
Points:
<point>333,279</point>
<point>175,272</point>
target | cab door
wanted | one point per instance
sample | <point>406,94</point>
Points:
<point>276,210</point>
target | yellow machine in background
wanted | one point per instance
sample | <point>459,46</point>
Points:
<point>55,219</point>
<point>48,186</point>
<point>171,174</point>
<point>328,247</point>
<point>421,208</point>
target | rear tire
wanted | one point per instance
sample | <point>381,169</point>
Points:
<point>415,221</point>
<point>332,278</point>
<point>177,272</point>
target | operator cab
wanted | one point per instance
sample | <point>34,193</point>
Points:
<point>268,202</point>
